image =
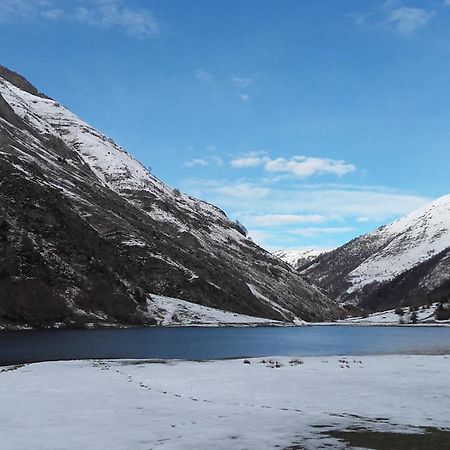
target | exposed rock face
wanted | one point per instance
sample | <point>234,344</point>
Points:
<point>405,262</point>
<point>87,233</point>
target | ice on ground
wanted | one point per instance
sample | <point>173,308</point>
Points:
<point>173,311</point>
<point>217,404</point>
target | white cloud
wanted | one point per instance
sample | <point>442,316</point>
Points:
<point>197,162</point>
<point>245,191</point>
<point>406,20</point>
<point>298,166</point>
<point>334,203</point>
<point>277,214</point>
<point>11,10</point>
<point>205,161</point>
<point>204,76</point>
<point>110,13</point>
<point>104,13</point>
<point>241,82</point>
<point>53,14</point>
<point>260,237</point>
<point>244,97</point>
<point>317,231</point>
<point>251,159</point>
<point>303,166</point>
<point>284,219</point>
<point>217,160</point>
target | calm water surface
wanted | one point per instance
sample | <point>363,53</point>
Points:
<point>214,343</point>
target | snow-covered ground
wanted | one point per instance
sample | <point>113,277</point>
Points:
<point>425,315</point>
<point>218,404</point>
<point>299,257</point>
<point>176,312</point>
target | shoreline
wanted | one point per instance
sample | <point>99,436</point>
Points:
<point>230,325</point>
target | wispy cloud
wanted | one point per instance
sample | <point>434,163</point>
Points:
<point>102,13</point>
<point>11,10</point>
<point>250,159</point>
<point>317,231</point>
<point>273,212</point>
<point>299,166</point>
<point>203,75</point>
<point>406,20</point>
<point>53,14</point>
<point>395,16</point>
<point>197,162</point>
<point>241,82</point>
<point>208,160</point>
<point>245,191</point>
<point>333,203</point>
<point>110,13</point>
<point>244,97</point>
<point>217,160</point>
<point>284,219</point>
<point>303,166</point>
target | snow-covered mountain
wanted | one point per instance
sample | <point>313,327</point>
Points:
<point>299,259</point>
<point>406,261</point>
<point>87,233</point>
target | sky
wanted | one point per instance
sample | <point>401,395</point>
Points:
<point>309,121</point>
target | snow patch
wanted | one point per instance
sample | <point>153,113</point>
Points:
<point>173,311</point>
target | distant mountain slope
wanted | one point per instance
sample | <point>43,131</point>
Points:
<point>87,233</point>
<point>406,261</point>
<point>299,259</point>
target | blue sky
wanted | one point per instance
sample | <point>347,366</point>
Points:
<point>311,121</point>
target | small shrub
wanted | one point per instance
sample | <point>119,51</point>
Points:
<point>295,362</point>
<point>399,311</point>
<point>442,313</point>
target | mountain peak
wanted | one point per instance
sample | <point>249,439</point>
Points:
<point>407,260</point>
<point>19,81</point>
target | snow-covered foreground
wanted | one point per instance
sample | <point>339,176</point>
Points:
<point>218,404</point>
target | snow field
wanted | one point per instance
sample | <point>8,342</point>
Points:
<point>218,404</point>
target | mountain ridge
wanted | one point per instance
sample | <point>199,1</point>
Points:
<point>300,259</point>
<point>91,224</point>
<point>405,261</point>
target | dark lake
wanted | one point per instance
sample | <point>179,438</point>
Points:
<point>215,343</point>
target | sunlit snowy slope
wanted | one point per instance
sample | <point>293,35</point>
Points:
<point>299,259</point>
<point>406,261</point>
<point>87,233</point>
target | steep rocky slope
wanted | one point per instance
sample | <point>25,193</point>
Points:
<point>87,233</point>
<point>405,262</point>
